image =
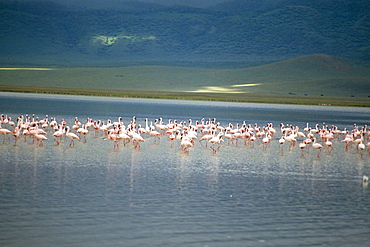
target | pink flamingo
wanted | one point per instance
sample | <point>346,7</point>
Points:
<point>5,132</point>
<point>266,140</point>
<point>155,134</point>
<point>58,134</point>
<point>136,139</point>
<point>72,136</point>
<point>216,140</point>
<point>41,138</point>
<point>206,138</point>
<point>114,137</point>
<point>348,139</point>
<point>291,139</point>
<point>317,146</point>
<point>302,146</point>
<point>186,143</point>
<point>329,145</point>
<point>361,147</point>
<point>123,135</point>
<point>16,133</point>
<point>83,130</point>
<point>368,145</point>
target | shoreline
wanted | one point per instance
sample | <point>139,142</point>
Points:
<point>216,97</point>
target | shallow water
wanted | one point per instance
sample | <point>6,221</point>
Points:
<point>246,195</point>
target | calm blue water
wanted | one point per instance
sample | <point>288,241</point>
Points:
<point>94,195</point>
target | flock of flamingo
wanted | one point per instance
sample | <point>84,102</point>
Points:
<point>210,133</point>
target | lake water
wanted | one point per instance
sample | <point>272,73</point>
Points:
<point>93,194</point>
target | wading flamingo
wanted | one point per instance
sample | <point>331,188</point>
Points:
<point>41,138</point>
<point>72,136</point>
<point>317,146</point>
<point>186,143</point>
<point>5,132</point>
<point>216,140</point>
<point>58,134</point>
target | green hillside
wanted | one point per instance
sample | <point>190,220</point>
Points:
<point>313,75</point>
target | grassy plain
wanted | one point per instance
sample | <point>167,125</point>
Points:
<point>311,80</point>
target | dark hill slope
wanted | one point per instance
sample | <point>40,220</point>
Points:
<point>49,34</point>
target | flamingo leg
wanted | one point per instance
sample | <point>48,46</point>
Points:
<point>55,139</point>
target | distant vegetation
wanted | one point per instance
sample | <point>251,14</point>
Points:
<point>288,51</point>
